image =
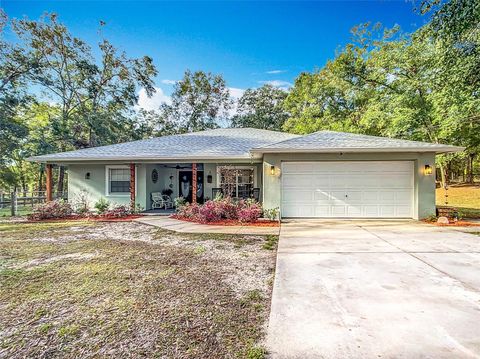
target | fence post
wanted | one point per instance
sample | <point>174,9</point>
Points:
<point>13,203</point>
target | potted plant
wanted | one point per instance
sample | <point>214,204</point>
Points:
<point>167,192</point>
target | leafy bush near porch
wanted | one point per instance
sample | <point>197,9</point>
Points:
<point>221,208</point>
<point>102,205</point>
<point>51,210</point>
<point>117,212</point>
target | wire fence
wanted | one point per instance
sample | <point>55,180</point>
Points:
<point>20,202</point>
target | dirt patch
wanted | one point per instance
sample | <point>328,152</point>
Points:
<point>131,290</point>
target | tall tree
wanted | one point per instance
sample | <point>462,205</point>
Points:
<point>92,96</point>
<point>200,101</point>
<point>261,108</point>
<point>390,84</point>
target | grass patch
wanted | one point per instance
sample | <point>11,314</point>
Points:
<point>21,211</point>
<point>271,242</point>
<point>98,297</point>
<point>465,198</point>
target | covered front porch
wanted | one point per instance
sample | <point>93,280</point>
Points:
<point>134,183</point>
<point>205,180</point>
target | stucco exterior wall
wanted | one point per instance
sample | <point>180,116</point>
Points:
<point>95,187</point>
<point>424,186</point>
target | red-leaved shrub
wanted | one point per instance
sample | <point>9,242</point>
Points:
<point>51,210</point>
<point>209,212</point>
<point>227,207</point>
<point>218,209</point>
<point>249,213</point>
<point>117,212</point>
<point>188,211</point>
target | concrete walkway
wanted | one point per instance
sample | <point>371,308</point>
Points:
<point>375,289</point>
<point>189,227</point>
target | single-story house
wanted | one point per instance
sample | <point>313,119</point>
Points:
<point>323,174</point>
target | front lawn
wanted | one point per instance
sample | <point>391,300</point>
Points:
<point>89,289</point>
<point>465,197</point>
<point>21,211</point>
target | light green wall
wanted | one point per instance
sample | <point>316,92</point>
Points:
<point>95,187</point>
<point>424,202</point>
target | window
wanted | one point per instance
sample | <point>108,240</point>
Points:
<point>118,180</point>
<point>237,181</point>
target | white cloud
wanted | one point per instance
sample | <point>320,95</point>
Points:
<point>169,82</point>
<point>283,85</point>
<point>274,72</point>
<point>235,94</point>
<point>154,102</point>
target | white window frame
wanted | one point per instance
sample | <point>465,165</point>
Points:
<point>107,181</point>
<point>254,168</point>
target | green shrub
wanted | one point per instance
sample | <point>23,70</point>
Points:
<point>271,214</point>
<point>51,210</point>
<point>102,205</point>
<point>179,203</point>
<point>256,352</point>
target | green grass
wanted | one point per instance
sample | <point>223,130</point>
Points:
<point>119,298</point>
<point>271,242</point>
<point>465,198</point>
<point>21,211</point>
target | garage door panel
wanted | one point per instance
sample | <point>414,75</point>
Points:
<point>354,211</point>
<point>353,197</point>
<point>320,181</point>
<point>338,196</point>
<point>322,196</point>
<point>339,211</point>
<point>322,211</point>
<point>292,180</point>
<point>371,211</point>
<point>370,196</point>
<point>404,211</point>
<point>387,211</point>
<point>347,189</point>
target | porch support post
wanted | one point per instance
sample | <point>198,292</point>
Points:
<point>194,183</point>
<point>48,182</point>
<point>132,186</point>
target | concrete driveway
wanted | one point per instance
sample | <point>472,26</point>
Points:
<point>375,289</point>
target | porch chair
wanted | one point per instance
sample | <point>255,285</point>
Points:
<point>160,200</point>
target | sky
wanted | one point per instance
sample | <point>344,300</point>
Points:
<point>250,43</point>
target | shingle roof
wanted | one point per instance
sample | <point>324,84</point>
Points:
<point>222,143</point>
<point>331,141</point>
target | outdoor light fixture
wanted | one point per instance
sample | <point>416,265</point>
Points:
<point>272,170</point>
<point>427,170</point>
<point>87,175</point>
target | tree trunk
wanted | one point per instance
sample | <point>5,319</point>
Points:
<point>470,159</point>
<point>442,175</point>
<point>61,177</point>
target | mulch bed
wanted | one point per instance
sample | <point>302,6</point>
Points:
<point>231,222</point>
<point>455,224</point>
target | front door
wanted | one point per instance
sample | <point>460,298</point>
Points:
<point>185,185</point>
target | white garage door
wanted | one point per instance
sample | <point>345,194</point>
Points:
<point>347,189</point>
